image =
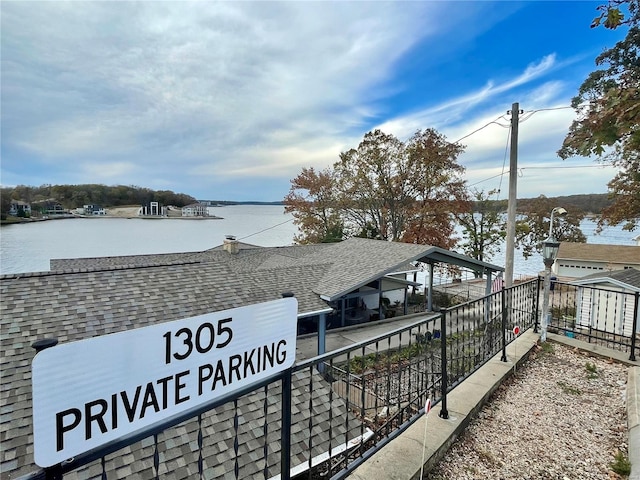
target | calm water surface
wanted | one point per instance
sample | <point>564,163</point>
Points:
<point>29,247</point>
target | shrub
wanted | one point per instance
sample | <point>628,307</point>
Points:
<point>621,465</point>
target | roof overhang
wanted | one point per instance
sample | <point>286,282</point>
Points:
<point>430,255</point>
<point>394,283</point>
<point>314,313</point>
<point>599,280</point>
<point>440,255</point>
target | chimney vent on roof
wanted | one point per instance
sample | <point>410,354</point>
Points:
<point>230,244</point>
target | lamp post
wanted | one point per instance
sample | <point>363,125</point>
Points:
<point>560,211</point>
<point>549,253</point>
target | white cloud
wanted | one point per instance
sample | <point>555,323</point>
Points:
<point>201,93</point>
<point>454,111</point>
<point>188,81</point>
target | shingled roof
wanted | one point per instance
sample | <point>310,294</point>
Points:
<point>81,298</point>
<point>219,432</point>
<point>618,254</point>
<point>344,266</point>
<point>628,278</point>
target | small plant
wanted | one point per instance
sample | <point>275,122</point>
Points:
<point>566,388</point>
<point>547,348</point>
<point>621,465</point>
<point>592,371</point>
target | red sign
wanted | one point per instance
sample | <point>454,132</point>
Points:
<point>516,330</point>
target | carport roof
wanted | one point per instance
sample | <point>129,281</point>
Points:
<point>357,262</point>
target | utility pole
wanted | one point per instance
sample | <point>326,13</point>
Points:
<point>513,196</point>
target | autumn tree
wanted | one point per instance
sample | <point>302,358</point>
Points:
<point>385,189</point>
<point>370,180</point>
<point>483,229</point>
<point>437,187</point>
<point>608,108</point>
<point>533,228</point>
<point>312,202</point>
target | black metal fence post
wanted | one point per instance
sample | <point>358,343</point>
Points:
<point>503,293</point>
<point>537,309</point>
<point>53,473</point>
<point>285,434</point>
<point>634,328</point>
<point>444,413</point>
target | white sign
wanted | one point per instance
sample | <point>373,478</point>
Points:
<point>91,392</point>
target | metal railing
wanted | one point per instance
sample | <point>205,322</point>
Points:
<point>327,415</point>
<point>602,316</point>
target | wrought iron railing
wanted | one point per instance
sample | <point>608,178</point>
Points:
<point>603,316</point>
<point>326,415</point>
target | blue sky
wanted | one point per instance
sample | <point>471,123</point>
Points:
<point>230,100</point>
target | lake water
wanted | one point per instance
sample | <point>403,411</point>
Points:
<point>29,247</point>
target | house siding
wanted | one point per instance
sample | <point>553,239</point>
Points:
<point>610,311</point>
<point>580,259</point>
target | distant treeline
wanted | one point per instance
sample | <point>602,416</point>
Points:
<point>592,203</point>
<point>232,202</point>
<point>72,196</point>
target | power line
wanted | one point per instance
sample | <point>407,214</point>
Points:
<point>542,168</point>
<point>523,119</point>
<point>504,162</point>
<point>268,228</point>
<point>570,166</point>
<point>490,178</point>
<point>532,112</point>
<point>483,127</point>
<point>552,108</point>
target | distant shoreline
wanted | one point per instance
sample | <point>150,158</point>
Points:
<point>23,221</point>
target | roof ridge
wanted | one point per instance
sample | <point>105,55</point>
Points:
<point>96,269</point>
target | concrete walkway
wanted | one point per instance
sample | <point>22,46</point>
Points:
<point>465,401</point>
<point>633,421</point>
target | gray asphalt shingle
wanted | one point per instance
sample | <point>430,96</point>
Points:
<point>82,298</point>
<point>628,276</point>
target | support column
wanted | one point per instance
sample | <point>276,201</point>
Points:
<point>404,308</point>
<point>430,294</point>
<point>487,287</point>
<point>322,333</point>
<point>380,299</point>
<point>322,339</point>
<point>487,292</point>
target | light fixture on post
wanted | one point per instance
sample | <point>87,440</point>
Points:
<point>549,253</point>
<point>561,212</point>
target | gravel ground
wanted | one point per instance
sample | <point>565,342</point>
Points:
<point>561,416</point>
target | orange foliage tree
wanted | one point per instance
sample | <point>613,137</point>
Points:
<point>385,189</point>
